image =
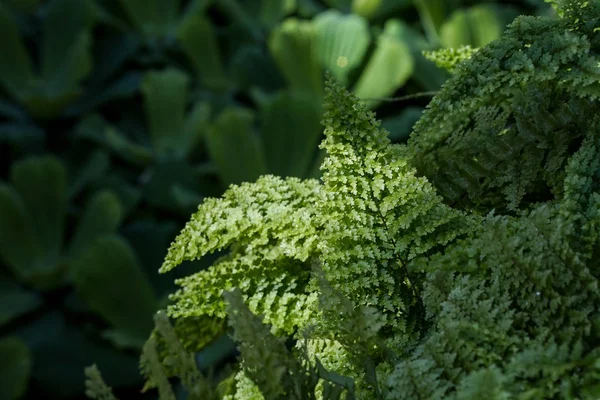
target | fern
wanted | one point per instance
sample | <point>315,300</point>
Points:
<point>462,266</point>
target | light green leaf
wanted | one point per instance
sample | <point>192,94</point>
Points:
<point>425,73</point>
<point>198,40</point>
<point>293,47</point>
<point>15,367</point>
<point>291,127</point>
<point>366,8</point>
<point>476,26</point>
<point>273,11</point>
<point>15,301</point>
<point>165,100</point>
<point>109,278</point>
<point>342,41</point>
<point>235,148</point>
<point>389,67</point>
<point>173,133</point>
<point>16,70</point>
<point>102,215</point>
<point>432,14</point>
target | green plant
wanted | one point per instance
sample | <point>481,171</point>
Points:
<point>414,294</point>
<point>118,117</point>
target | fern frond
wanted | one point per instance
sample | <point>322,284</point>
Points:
<point>450,58</point>
<point>379,213</point>
<point>95,388</point>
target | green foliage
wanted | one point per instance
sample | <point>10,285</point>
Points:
<point>450,58</point>
<point>119,117</point>
<point>414,294</point>
<point>15,367</point>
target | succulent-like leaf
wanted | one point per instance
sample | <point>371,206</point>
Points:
<point>102,215</point>
<point>16,70</point>
<point>15,367</point>
<point>198,40</point>
<point>273,11</point>
<point>66,57</point>
<point>15,301</point>
<point>425,73</point>
<point>432,14</point>
<point>342,41</point>
<point>165,101</point>
<point>32,216</point>
<point>476,26</point>
<point>291,127</point>
<point>293,45</point>
<point>153,17</point>
<point>235,148</point>
<point>109,278</point>
<point>94,168</point>
<point>389,67</point>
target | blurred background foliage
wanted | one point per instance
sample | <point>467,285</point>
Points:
<point>117,117</point>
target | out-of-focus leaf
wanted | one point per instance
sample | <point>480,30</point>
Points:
<point>476,26</point>
<point>273,11</point>
<point>343,5</point>
<point>252,67</point>
<point>21,132</point>
<point>198,40</point>
<point>66,48</point>
<point>153,17</point>
<point>109,278</point>
<point>342,41</point>
<point>11,110</point>
<point>25,6</point>
<point>17,243</point>
<point>164,177</point>
<point>235,148</point>
<point>15,301</point>
<point>16,70</point>
<point>125,86</point>
<point>65,57</point>
<point>426,74</point>
<point>291,127</point>
<point>15,367</point>
<point>215,352</point>
<point>94,168</point>
<point>432,14</point>
<point>366,8</point>
<point>110,54</point>
<point>309,8</point>
<point>165,98</point>
<point>185,199</point>
<point>32,220</point>
<point>400,126</point>
<point>129,196</point>
<point>293,47</point>
<point>173,134</point>
<point>101,216</point>
<point>389,67</point>
<point>123,339</point>
<point>151,239</point>
<point>95,128</point>
<point>386,8</point>
<point>51,339</point>
<point>41,183</point>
